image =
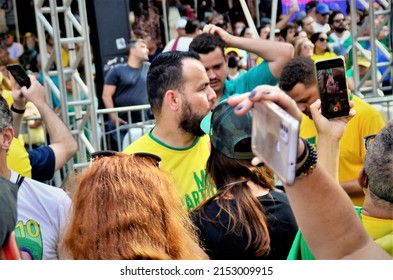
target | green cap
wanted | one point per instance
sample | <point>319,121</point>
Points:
<point>226,130</point>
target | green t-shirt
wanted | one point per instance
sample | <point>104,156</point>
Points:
<point>256,76</point>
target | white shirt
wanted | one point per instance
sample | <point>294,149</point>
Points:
<point>321,28</point>
<point>43,212</point>
<point>182,44</point>
<point>15,50</point>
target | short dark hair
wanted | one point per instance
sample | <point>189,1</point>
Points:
<point>166,72</point>
<point>299,69</point>
<point>191,26</point>
<point>5,114</point>
<point>284,31</point>
<point>378,166</point>
<point>205,43</point>
<point>333,15</point>
<point>133,42</point>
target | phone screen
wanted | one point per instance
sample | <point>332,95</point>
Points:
<point>332,86</point>
<point>19,74</point>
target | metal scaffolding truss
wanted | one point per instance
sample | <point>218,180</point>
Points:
<point>76,40</point>
<point>371,93</point>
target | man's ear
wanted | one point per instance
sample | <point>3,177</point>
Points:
<point>173,100</point>
<point>8,136</point>
<point>362,178</point>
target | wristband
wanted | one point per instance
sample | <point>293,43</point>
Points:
<point>310,163</point>
<point>303,155</point>
<point>20,112</point>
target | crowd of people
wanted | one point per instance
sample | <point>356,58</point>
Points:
<point>191,188</point>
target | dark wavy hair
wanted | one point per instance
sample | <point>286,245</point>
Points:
<point>248,215</point>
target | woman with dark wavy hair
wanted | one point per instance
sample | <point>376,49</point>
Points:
<point>321,47</point>
<point>126,208</point>
<point>246,218</point>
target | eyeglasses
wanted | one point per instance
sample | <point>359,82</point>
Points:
<point>154,159</point>
<point>368,140</point>
<point>338,20</point>
<point>322,40</point>
<point>308,46</point>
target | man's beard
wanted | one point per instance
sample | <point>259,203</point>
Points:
<point>190,121</point>
<point>340,29</point>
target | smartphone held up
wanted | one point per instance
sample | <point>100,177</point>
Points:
<point>19,74</point>
<point>275,135</point>
<point>333,88</point>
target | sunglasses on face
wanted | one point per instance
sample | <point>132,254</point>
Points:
<point>154,159</point>
<point>368,140</point>
<point>322,40</point>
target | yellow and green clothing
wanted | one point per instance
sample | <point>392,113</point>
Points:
<point>380,230</point>
<point>185,165</point>
<point>367,120</point>
<point>326,55</point>
<point>18,158</point>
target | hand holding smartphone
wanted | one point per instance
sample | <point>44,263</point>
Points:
<point>333,88</point>
<point>275,136</point>
<point>19,74</point>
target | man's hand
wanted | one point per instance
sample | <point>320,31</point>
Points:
<point>333,128</point>
<point>117,121</point>
<point>218,31</point>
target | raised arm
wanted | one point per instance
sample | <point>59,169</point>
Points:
<point>62,142</point>
<point>18,107</point>
<point>276,53</point>
<point>323,210</point>
<point>329,136</point>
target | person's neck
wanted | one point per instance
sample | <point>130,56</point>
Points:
<point>339,34</point>
<point>134,63</point>
<point>257,190</point>
<point>319,51</point>
<point>232,71</point>
<point>4,171</point>
<point>370,209</point>
<point>173,137</point>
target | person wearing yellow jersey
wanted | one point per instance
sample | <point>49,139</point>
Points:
<point>180,97</point>
<point>376,180</point>
<point>321,48</point>
<point>298,80</point>
<point>46,159</point>
<point>17,156</point>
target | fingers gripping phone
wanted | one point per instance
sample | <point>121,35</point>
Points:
<point>333,88</point>
<point>19,74</point>
<point>275,136</point>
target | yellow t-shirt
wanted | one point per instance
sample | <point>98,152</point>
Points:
<point>380,230</point>
<point>187,165</point>
<point>7,94</point>
<point>18,158</point>
<point>36,135</point>
<point>367,120</point>
<point>326,55</point>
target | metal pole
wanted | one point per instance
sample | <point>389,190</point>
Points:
<point>196,8</point>
<point>15,11</point>
<point>249,19</point>
<point>273,19</point>
<point>164,14</point>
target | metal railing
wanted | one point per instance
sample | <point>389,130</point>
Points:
<point>131,130</point>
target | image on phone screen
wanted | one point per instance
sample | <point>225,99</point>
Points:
<point>332,86</point>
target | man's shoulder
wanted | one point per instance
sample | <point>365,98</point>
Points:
<point>363,107</point>
<point>142,144</point>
